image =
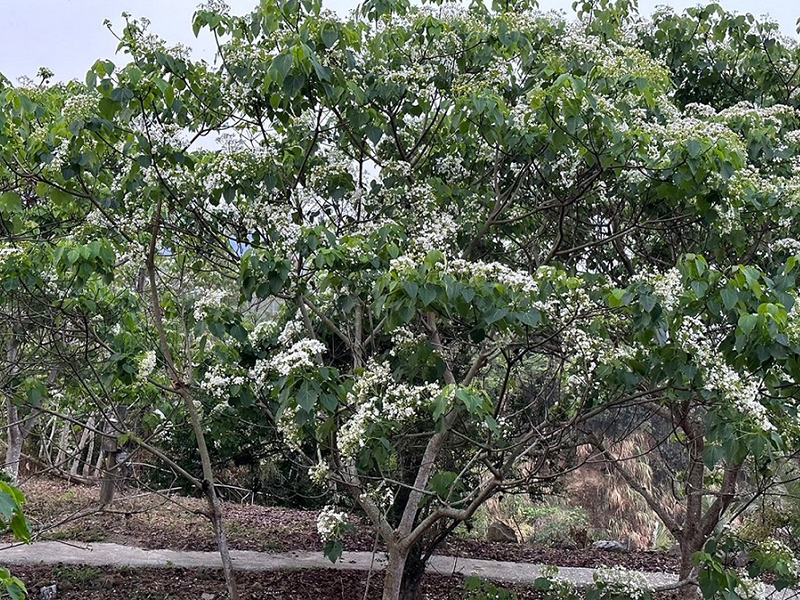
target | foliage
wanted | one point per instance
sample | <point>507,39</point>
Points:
<point>554,523</point>
<point>614,583</point>
<point>480,589</point>
<point>12,518</point>
<point>768,557</point>
<point>432,245</point>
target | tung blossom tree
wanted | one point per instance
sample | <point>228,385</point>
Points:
<point>431,245</point>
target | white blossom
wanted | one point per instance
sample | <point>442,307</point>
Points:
<point>742,391</point>
<point>377,398</point>
<point>331,523</point>
<point>622,582</point>
<point>209,300</point>
<point>147,364</point>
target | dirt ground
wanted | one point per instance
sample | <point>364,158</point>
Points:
<point>58,510</point>
<point>91,583</point>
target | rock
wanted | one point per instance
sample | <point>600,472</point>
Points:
<point>741,558</point>
<point>207,596</point>
<point>48,592</point>
<point>611,545</point>
<point>500,532</point>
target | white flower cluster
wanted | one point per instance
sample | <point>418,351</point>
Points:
<point>377,398</point>
<point>215,6</point>
<point>209,300</point>
<point>287,427</point>
<point>793,326</point>
<point>78,107</point>
<point>291,332</point>
<point>751,589</point>
<point>667,286</point>
<point>319,473</point>
<point>516,280</point>
<point>147,364</point>
<point>781,552</point>
<point>790,245</point>
<point>404,339</point>
<point>436,232</point>
<point>262,331</point>
<point>299,356</point>
<point>217,383</point>
<point>622,582</point>
<point>8,251</point>
<point>749,113</point>
<point>331,523</point>
<point>560,587</point>
<point>403,265</point>
<point>382,496</point>
<point>742,391</point>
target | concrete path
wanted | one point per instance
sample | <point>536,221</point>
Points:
<point>116,555</point>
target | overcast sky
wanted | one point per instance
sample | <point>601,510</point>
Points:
<point>67,36</point>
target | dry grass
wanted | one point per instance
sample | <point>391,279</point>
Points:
<point>612,505</point>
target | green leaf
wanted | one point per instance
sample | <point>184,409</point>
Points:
<point>441,483</point>
<point>374,134</point>
<point>411,289</point>
<point>747,323</point>
<point>694,148</point>
<point>16,589</point>
<point>10,202</point>
<point>282,63</point>
<point>729,298</point>
<point>307,396</point>
<point>615,298</point>
<point>333,550</point>
<point>647,302</point>
<point>427,294</point>
<point>329,35</point>
<point>8,505</point>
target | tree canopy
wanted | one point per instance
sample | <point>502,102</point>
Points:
<point>429,246</point>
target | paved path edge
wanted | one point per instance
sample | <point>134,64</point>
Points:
<point>116,555</point>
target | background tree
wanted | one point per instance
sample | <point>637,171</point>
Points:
<point>431,245</point>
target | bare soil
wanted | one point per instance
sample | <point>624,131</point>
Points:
<point>85,583</point>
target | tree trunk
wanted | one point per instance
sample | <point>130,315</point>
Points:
<point>88,464</point>
<point>414,571</point>
<point>393,580</point>
<point>185,393</point>
<point>78,460</point>
<point>61,456</point>
<point>688,546</point>
<point>14,446</point>
<point>215,510</point>
<point>109,451</point>
<point>404,573</point>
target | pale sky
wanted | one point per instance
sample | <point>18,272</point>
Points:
<point>67,36</point>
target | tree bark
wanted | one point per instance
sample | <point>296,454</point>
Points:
<point>78,461</point>
<point>393,580</point>
<point>14,447</point>
<point>413,572</point>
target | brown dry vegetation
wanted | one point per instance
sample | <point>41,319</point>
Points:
<point>611,504</point>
